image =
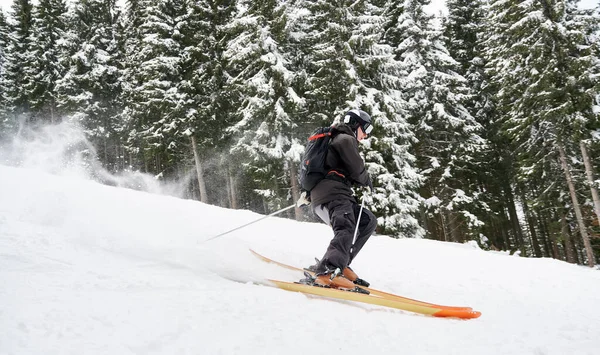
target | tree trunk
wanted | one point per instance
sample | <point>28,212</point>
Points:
<point>578,215</point>
<point>452,225</point>
<point>578,250</point>
<point>424,220</point>
<point>590,177</point>
<point>146,162</point>
<point>505,231</point>
<point>199,172</point>
<point>231,188</point>
<point>514,219</point>
<point>498,233</point>
<point>567,238</point>
<point>295,190</point>
<point>105,151</point>
<point>534,238</point>
<point>117,163</point>
<point>443,224</point>
<point>546,235</point>
<point>556,233</point>
<point>552,239</point>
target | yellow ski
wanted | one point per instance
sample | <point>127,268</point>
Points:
<point>380,301</point>
<point>376,297</point>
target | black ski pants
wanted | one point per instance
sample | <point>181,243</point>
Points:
<point>342,218</point>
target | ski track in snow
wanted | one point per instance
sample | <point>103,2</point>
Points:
<point>92,269</point>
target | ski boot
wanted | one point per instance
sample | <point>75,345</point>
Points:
<point>313,268</point>
<point>347,272</point>
<point>332,279</point>
<point>351,275</point>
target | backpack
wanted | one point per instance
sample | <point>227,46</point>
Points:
<point>312,167</point>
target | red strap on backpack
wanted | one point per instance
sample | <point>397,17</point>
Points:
<point>317,136</point>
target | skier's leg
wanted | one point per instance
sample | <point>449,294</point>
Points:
<point>343,221</point>
<point>366,227</point>
<point>323,213</point>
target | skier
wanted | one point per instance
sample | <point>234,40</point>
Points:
<point>333,201</point>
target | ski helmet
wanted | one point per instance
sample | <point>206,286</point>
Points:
<point>355,118</point>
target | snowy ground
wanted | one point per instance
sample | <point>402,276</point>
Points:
<point>92,269</point>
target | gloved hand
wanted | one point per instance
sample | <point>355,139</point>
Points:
<point>304,199</point>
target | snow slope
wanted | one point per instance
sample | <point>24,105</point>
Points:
<point>93,269</point>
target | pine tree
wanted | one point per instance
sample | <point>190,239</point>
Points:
<point>264,131</point>
<point>465,37</point>
<point>3,87</point>
<point>155,101</point>
<point>463,33</point>
<point>211,29</point>
<point>326,54</point>
<point>90,91</point>
<point>134,14</point>
<point>133,17</point>
<point>541,59</point>
<point>375,86</point>
<point>448,136</point>
<point>48,29</point>
<point>462,29</point>
<point>17,60</point>
<point>210,103</point>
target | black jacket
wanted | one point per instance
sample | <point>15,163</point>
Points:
<point>344,159</point>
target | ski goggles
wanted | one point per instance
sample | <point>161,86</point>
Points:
<point>367,128</point>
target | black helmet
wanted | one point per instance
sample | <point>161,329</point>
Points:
<point>355,118</point>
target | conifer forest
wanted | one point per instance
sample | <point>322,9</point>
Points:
<point>486,116</point>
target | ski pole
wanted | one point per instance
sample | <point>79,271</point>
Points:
<point>247,224</point>
<point>362,205</point>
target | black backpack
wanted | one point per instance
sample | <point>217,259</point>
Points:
<point>312,167</point>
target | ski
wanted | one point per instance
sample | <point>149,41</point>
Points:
<point>375,297</point>
<point>374,300</point>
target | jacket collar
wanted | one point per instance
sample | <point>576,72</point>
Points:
<point>345,129</point>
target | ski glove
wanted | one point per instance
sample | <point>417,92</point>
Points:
<point>304,199</point>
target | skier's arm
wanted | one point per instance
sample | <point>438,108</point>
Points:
<point>347,148</point>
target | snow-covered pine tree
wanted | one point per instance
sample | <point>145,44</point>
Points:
<point>90,91</point>
<point>541,60</point>
<point>17,59</point>
<point>465,36</point>
<point>500,183</point>
<point>325,54</point>
<point>209,104</point>
<point>48,60</point>
<point>583,27</point>
<point>155,101</point>
<point>267,103</point>
<point>206,65</point>
<point>3,87</point>
<point>3,37</point>
<point>134,13</point>
<point>448,136</point>
<point>589,144</point>
<point>462,31</point>
<point>374,86</point>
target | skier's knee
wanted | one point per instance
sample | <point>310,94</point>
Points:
<point>342,221</point>
<point>372,225</point>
